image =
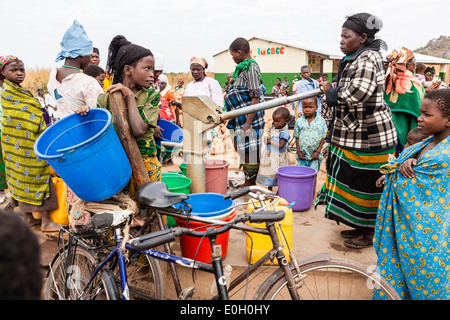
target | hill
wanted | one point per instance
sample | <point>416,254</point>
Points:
<point>439,47</point>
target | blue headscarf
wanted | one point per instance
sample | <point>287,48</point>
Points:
<point>75,43</point>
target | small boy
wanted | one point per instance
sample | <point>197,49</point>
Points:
<point>414,136</point>
<point>245,91</point>
<point>310,132</point>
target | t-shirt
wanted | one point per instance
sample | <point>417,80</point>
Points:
<point>276,135</point>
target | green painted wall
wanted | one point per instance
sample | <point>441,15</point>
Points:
<point>269,78</point>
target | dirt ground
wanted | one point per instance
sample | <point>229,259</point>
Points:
<point>311,233</point>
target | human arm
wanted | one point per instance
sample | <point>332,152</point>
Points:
<point>316,153</point>
<point>299,153</point>
<point>138,125</point>
<point>363,74</point>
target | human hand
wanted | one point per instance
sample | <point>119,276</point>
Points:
<point>158,132</point>
<point>119,87</point>
<point>246,127</point>
<point>381,181</point>
<point>406,168</point>
<point>315,155</point>
<point>325,86</point>
<point>83,110</point>
<point>301,155</point>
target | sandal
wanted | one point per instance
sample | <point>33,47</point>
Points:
<point>350,234</point>
<point>359,242</point>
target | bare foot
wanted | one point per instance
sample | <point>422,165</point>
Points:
<point>50,226</point>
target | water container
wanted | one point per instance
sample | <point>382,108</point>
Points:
<point>86,153</point>
<point>258,244</point>
<point>296,184</point>
<point>216,176</point>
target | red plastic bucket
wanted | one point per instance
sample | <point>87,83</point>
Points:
<point>200,248</point>
<point>216,176</point>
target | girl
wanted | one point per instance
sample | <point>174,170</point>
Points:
<point>132,67</point>
<point>412,227</point>
<point>311,130</point>
<point>28,177</point>
<point>275,155</point>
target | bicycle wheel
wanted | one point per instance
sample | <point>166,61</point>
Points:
<point>66,284</point>
<point>334,279</point>
<point>144,277</point>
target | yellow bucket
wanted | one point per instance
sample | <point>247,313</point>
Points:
<point>261,242</point>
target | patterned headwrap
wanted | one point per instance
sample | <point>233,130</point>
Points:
<point>397,76</point>
<point>4,60</point>
<point>75,43</point>
<point>199,60</point>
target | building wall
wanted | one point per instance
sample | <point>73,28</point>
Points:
<point>275,60</point>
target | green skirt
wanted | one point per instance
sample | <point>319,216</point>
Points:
<point>350,193</point>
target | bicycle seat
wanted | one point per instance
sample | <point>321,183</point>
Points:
<point>155,194</point>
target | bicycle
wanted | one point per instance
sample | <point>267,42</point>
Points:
<point>297,279</point>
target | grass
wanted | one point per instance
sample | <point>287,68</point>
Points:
<point>38,78</point>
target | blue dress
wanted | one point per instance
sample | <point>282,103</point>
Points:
<point>412,228</point>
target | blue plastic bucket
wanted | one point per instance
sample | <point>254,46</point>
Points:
<point>171,133</point>
<point>209,204</point>
<point>296,184</point>
<point>86,153</point>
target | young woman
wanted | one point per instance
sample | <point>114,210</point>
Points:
<point>411,234</point>
<point>27,176</point>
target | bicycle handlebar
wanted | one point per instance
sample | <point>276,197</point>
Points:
<point>157,238</point>
<point>243,191</point>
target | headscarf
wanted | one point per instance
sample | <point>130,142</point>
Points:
<point>199,60</point>
<point>163,78</point>
<point>121,53</point>
<point>4,61</point>
<point>75,43</point>
<point>398,78</point>
<point>368,24</point>
<point>159,61</point>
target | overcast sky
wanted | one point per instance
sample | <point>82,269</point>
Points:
<point>180,29</point>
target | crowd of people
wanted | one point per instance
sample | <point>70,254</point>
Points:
<point>385,180</point>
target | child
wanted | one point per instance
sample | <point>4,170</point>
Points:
<point>247,129</point>
<point>74,91</point>
<point>97,73</point>
<point>411,232</point>
<point>310,132</point>
<point>275,155</point>
<point>414,136</point>
<point>28,177</point>
<point>132,67</point>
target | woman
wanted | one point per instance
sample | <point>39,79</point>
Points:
<point>204,86</point>
<point>403,93</point>
<point>362,134</point>
<point>74,91</point>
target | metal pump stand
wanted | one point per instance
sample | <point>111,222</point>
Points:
<point>200,114</point>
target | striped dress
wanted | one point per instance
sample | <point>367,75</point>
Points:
<point>349,193</point>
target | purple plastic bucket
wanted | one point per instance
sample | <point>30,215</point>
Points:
<point>296,184</point>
